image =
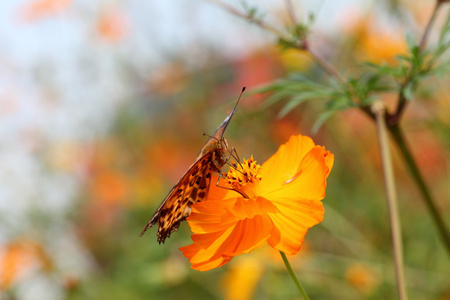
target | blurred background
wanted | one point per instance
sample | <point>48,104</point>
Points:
<point>102,109</point>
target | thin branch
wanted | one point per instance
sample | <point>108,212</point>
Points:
<point>329,68</point>
<point>282,35</point>
<point>249,17</point>
<point>402,101</point>
<point>426,33</point>
<point>368,111</point>
<point>393,126</point>
<point>290,9</point>
<point>379,110</point>
<point>399,139</point>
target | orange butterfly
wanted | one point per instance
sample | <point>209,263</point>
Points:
<point>194,185</point>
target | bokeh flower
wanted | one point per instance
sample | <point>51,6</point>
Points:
<point>275,203</point>
<point>363,277</point>
<point>39,9</point>
<point>19,258</point>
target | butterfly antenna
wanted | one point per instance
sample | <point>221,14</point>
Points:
<point>210,136</point>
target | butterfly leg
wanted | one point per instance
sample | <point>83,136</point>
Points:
<point>236,157</point>
<point>234,154</point>
<point>228,188</point>
<point>227,160</point>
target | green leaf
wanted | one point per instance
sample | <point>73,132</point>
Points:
<point>408,91</point>
<point>271,87</point>
<point>410,41</point>
<point>294,102</point>
<point>445,30</point>
<point>289,107</point>
<point>323,117</point>
<point>276,97</point>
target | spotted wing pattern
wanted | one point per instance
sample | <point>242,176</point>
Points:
<point>193,186</point>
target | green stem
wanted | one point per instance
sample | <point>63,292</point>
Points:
<point>420,182</point>
<point>294,278</point>
<point>379,110</point>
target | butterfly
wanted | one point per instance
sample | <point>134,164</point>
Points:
<point>194,185</point>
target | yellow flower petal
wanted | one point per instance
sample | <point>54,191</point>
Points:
<point>193,251</point>
<point>310,180</point>
<point>249,208</point>
<point>284,164</point>
<point>211,215</point>
<point>243,237</point>
<point>295,216</point>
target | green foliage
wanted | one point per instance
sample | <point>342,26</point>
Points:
<point>362,88</point>
<point>252,12</point>
<point>297,37</point>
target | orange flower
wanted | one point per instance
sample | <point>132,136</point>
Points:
<point>363,277</point>
<point>18,258</point>
<point>39,9</point>
<point>275,203</point>
<point>112,26</point>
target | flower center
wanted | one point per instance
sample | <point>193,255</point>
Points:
<point>243,173</point>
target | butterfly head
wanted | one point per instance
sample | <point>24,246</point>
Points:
<point>215,144</point>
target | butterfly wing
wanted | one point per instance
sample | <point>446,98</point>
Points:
<point>193,186</point>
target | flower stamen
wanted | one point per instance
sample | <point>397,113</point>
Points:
<point>243,173</point>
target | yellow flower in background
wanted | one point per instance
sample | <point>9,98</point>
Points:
<point>293,60</point>
<point>363,277</point>
<point>242,279</point>
<point>275,203</point>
